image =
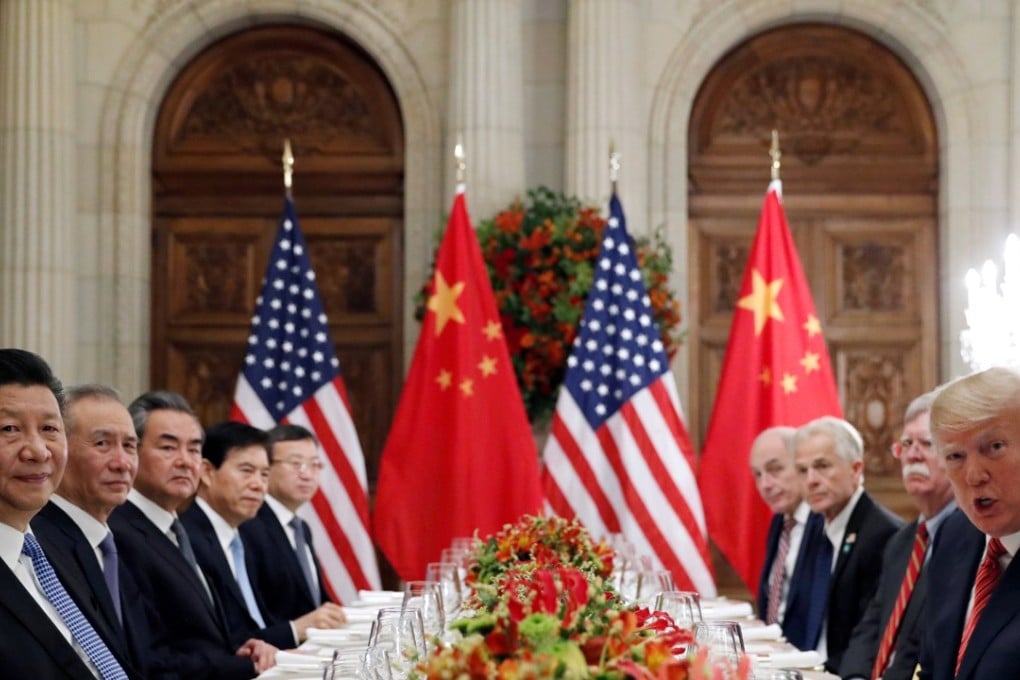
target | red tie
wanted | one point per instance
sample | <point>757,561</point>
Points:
<point>778,571</point>
<point>902,599</point>
<point>984,583</point>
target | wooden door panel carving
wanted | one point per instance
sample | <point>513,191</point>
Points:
<point>859,171</point>
<point>218,198</point>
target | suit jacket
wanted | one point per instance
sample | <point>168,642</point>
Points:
<point>855,577</point>
<point>75,564</point>
<point>273,567</point>
<point>209,553</point>
<point>30,645</point>
<point>189,637</point>
<point>993,648</point>
<point>808,585</point>
<point>863,648</point>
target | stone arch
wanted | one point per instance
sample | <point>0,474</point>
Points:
<point>172,37</point>
<point>909,31</point>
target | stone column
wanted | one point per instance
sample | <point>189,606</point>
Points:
<point>37,180</point>
<point>487,102</point>
<point>606,104</point>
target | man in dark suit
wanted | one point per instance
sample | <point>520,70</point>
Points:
<point>189,635</point>
<point>233,480</point>
<point>285,570</point>
<point>790,591</point>
<point>974,632</point>
<point>102,460</point>
<point>37,615</point>
<point>885,644</point>
<point>830,458</point>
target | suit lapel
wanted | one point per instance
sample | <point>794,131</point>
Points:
<point>853,527</point>
<point>1001,609</point>
<point>207,545</point>
<point>23,607</point>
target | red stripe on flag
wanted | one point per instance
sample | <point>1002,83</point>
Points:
<point>555,498</point>
<point>237,415</point>
<point>585,473</point>
<point>339,540</point>
<point>337,458</point>
<point>674,422</point>
<point>639,510</point>
<point>673,495</point>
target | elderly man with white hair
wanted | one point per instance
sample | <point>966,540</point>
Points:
<point>829,454</point>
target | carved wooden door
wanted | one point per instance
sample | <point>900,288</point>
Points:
<point>859,170</point>
<point>218,197</point>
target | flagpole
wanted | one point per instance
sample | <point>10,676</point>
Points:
<point>460,163</point>
<point>614,166</point>
<point>775,154</point>
<point>288,168</point>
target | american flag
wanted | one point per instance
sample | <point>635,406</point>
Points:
<point>618,455</point>
<point>291,374</point>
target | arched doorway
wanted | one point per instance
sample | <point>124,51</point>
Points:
<point>218,196</point>
<point>860,179</point>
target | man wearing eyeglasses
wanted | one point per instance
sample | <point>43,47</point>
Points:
<point>285,570</point>
<point>885,642</point>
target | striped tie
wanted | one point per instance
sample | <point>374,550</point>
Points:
<point>779,571</point>
<point>984,583</point>
<point>885,649</point>
<point>81,630</point>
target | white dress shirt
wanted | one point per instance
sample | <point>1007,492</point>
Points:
<point>284,515</point>
<point>94,530</point>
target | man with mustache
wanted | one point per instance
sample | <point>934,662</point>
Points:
<point>885,643</point>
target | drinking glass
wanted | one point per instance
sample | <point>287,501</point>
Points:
<point>447,576</point>
<point>683,607</point>
<point>400,632</point>
<point>722,639</point>
<point>428,599</point>
<point>778,674</point>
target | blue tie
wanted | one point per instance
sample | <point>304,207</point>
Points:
<point>301,548</point>
<point>81,630</point>
<point>237,550</point>
<point>110,573</point>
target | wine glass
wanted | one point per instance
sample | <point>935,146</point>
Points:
<point>721,639</point>
<point>447,576</point>
<point>400,632</point>
<point>427,598</point>
<point>683,607</point>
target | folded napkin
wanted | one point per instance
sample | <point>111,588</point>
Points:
<point>300,661</point>
<point>726,610</point>
<point>366,613</point>
<point>794,659</point>
<point>380,595</point>
<point>337,634</point>
<point>769,632</point>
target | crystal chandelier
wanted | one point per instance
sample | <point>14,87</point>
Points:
<point>992,336</point>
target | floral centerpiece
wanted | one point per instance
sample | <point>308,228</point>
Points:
<point>541,255</point>
<point>548,611</point>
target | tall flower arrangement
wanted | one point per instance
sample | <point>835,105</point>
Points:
<point>541,254</point>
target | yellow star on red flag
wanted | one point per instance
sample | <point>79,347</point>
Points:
<point>467,386</point>
<point>445,379</point>
<point>444,302</point>
<point>762,300</point>
<point>810,362</point>
<point>789,383</point>
<point>765,376</point>
<point>487,366</point>
<point>492,330</point>
<point>812,326</point>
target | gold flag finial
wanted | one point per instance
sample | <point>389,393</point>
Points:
<point>461,162</point>
<point>775,154</point>
<point>288,167</point>
<point>614,165</point>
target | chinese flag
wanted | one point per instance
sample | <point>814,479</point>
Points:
<point>776,371</point>
<point>460,456</point>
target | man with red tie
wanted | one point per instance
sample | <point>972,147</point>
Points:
<point>786,589</point>
<point>972,624</point>
<point>885,642</point>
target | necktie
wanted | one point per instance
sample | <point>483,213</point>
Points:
<point>241,569</point>
<point>81,630</point>
<point>885,647</point>
<point>301,548</point>
<point>184,545</point>
<point>108,548</point>
<point>779,571</point>
<point>984,583</point>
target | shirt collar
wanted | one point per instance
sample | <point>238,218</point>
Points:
<point>1011,542</point>
<point>11,542</point>
<point>933,524</point>
<point>94,530</point>
<point>835,529</point>
<point>224,532</point>
<point>802,513</point>
<point>281,511</point>
<point>157,515</point>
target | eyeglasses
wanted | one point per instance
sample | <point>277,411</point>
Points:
<point>905,444</point>
<point>298,465</point>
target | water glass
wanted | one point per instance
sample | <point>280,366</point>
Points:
<point>428,599</point>
<point>721,639</point>
<point>447,576</point>
<point>684,607</point>
<point>401,633</point>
